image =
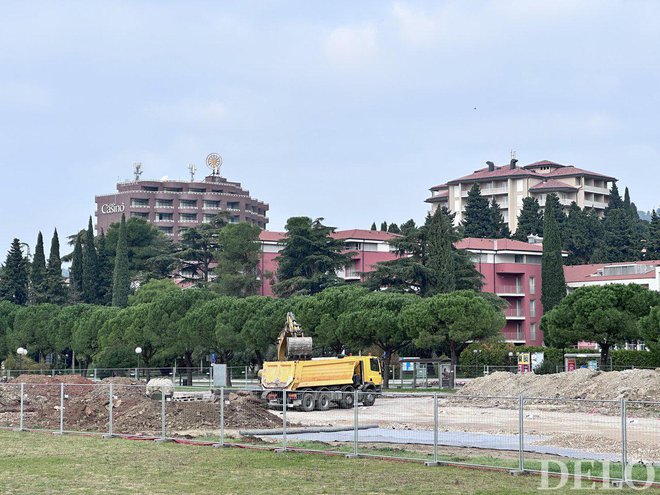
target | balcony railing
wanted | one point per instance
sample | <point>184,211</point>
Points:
<point>510,289</point>
<point>514,336</point>
<point>514,313</point>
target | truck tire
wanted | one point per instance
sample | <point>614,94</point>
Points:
<point>348,399</point>
<point>308,402</point>
<point>323,402</point>
<point>369,398</point>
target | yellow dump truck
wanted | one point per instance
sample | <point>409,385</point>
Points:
<point>317,383</point>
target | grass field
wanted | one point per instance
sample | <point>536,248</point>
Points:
<point>37,463</point>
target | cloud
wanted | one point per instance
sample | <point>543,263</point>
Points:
<point>351,46</point>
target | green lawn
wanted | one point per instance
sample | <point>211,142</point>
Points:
<point>35,463</point>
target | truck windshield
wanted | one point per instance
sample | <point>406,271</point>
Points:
<point>375,366</point>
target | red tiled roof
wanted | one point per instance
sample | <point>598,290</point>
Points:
<point>437,199</point>
<point>588,273</point>
<point>497,245</point>
<point>270,236</point>
<point>499,172</point>
<point>545,163</point>
<point>552,185</point>
<point>438,187</point>
<point>571,170</point>
<point>370,235</point>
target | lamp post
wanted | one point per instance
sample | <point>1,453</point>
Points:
<point>21,352</point>
<point>138,351</point>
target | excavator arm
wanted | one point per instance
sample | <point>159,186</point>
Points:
<point>292,343</point>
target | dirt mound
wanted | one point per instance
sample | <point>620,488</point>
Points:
<point>52,380</point>
<point>640,385</point>
<point>87,405</point>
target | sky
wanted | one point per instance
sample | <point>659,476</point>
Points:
<point>344,110</point>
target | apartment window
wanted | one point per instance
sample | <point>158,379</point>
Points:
<point>519,331</point>
<point>211,205</point>
<point>166,230</point>
<point>188,217</point>
<point>234,219</point>
<point>208,218</point>
<point>197,190</point>
<point>532,331</point>
<point>164,203</point>
<point>164,217</point>
<point>173,189</point>
<point>140,214</point>
<point>532,285</point>
<point>149,188</point>
<point>532,308</point>
<point>188,203</point>
<point>519,258</point>
<point>139,203</point>
<point>233,205</point>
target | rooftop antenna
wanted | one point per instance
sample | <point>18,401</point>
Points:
<point>192,170</point>
<point>513,154</point>
<point>137,170</point>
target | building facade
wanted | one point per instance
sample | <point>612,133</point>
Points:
<point>644,273</point>
<point>512,270</point>
<point>175,205</point>
<point>509,184</point>
<point>368,247</point>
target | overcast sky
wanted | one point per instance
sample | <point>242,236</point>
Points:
<point>349,111</point>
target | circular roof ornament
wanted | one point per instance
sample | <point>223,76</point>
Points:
<point>214,162</point>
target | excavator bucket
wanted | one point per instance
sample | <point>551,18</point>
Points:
<point>298,347</point>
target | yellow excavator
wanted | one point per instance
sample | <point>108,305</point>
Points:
<point>317,383</point>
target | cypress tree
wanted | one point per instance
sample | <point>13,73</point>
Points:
<point>14,281</point>
<point>373,226</point>
<point>614,202</point>
<point>54,281</point>
<point>90,287</point>
<point>553,287</point>
<point>105,271</point>
<point>621,238</point>
<point>121,281</point>
<point>38,274</point>
<point>653,244</point>
<point>440,253</point>
<point>383,227</point>
<point>557,210</point>
<point>530,220</point>
<point>500,227</point>
<point>393,229</point>
<point>582,235</point>
<point>477,220</point>
<point>626,201</point>
<point>76,272</point>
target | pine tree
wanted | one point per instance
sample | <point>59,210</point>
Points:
<point>373,226</point>
<point>409,226</point>
<point>393,229</point>
<point>500,227</point>
<point>530,220</point>
<point>553,288</point>
<point>105,271</point>
<point>90,279</point>
<point>653,243</point>
<point>14,281</point>
<point>121,281</point>
<point>582,235</point>
<point>614,202</point>
<point>557,210</point>
<point>55,287</point>
<point>626,201</point>
<point>76,272</point>
<point>441,259</point>
<point>383,227</point>
<point>477,220</point>
<point>38,274</point>
<point>621,238</point>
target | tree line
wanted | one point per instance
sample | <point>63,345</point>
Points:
<point>620,235</point>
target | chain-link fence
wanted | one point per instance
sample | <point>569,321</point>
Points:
<point>600,439</point>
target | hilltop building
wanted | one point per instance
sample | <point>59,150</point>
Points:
<point>509,184</point>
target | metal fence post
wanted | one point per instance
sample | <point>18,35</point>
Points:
<point>222,416</point>
<point>246,372</point>
<point>61,408</point>
<point>521,433</point>
<point>20,421</point>
<point>163,430</point>
<point>355,423</point>
<point>435,431</point>
<point>284,419</point>
<point>624,441</point>
<point>110,412</point>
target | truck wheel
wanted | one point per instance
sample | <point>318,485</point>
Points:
<point>308,402</point>
<point>348,399</point>
<point>369,398</point>
<point>323,402</point>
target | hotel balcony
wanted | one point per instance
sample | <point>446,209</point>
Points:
<point>514,314</point>
<point>510,291</point>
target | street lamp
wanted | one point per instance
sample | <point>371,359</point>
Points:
<point>138,351</point>
<point>21,352</point>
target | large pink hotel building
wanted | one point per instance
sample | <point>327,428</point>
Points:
<point>511,269</point>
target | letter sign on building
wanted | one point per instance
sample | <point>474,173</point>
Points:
<point>113,208</point>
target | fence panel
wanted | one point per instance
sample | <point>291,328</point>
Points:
<point>134,413</point>
<point>642,430</point>
<point>42,406</point>
<point>10,405</point>
<point>86,407</point>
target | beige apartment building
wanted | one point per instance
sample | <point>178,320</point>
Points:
<point>510,183</point>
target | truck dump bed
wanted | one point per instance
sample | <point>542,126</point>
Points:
<point>294,375</point>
